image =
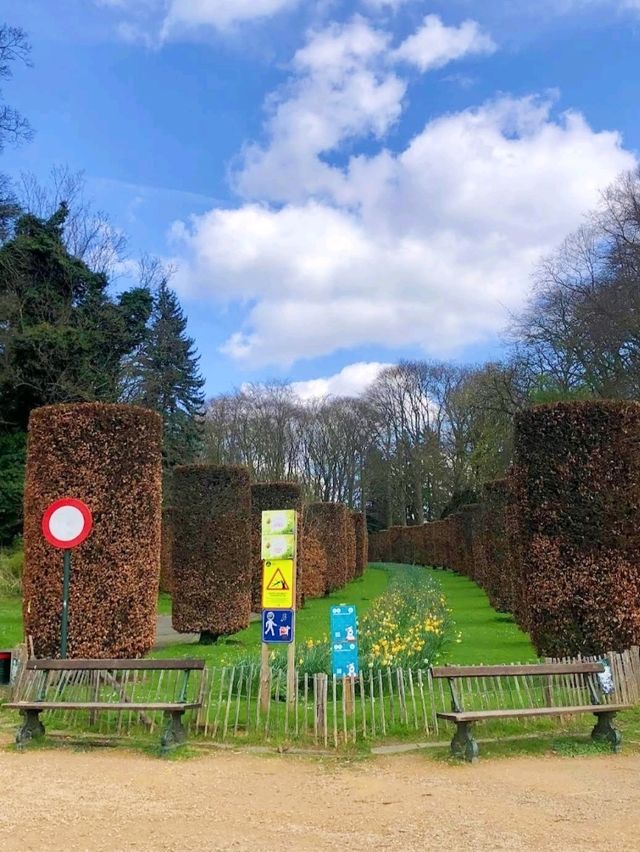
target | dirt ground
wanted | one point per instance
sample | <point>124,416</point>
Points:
<point>64,800</point>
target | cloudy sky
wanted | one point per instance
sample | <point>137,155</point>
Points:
<point>340,183</point>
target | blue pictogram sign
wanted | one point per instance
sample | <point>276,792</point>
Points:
<point>344,641</point>
<point>278,626</point>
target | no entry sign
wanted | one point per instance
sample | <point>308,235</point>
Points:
<point>67,523</point>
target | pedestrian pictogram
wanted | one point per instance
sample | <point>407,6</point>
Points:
<point>278,626</point>
<point>277,584</point>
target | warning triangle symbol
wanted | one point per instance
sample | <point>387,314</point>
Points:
<point>277,583</point>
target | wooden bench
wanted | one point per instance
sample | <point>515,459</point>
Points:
<point>577,680</point>
<point>100,681</point>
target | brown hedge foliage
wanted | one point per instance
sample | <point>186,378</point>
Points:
<point>312,560</point>
<point>577,489</point>
<point>360,530</point>
<point>498,580</point>
<point>379,546</point>
<point>331,520</point>
<point>470,514</point>
<point>166,551</point>
<point>457,556</point>
<point>428,544</point>
<point>267,496</point>
<point>478,556</point>
<point>212,550</point>
<point>351,547</point>
<point>109,456</point>
<point>441,543</point>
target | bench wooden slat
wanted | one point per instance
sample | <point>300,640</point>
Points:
<point>100,705</point>
<point>512,671</point>
<point>115,665</point>
<point>479,715</point>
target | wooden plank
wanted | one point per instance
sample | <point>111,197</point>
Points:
<point>99,705</point>
<point>511,671</point>
<point>114,665</point>
<point>479,715</point>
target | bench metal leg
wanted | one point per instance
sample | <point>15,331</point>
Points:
<point>174,733</point>
<point>463,744</point>
<point>31,728</point>
<point>604,732</point>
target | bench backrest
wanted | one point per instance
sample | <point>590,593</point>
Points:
<point>535,685</point>
<point>55,665</point>
<point>516,670</point>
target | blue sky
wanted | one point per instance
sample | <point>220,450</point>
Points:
<point>339,184</point>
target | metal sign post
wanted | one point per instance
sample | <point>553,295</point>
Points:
<point>66,524</point>
<point>279,574</point>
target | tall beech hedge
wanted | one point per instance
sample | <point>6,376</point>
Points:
<point>499,579</point>
<point>267,496</point>
<point>212,550</point>
<point>312,559</point>
<point>470,514</point>
<point>166,551</point>
<point>360,531</point>
<point>109,456</point>
<point>441,543</point>
<point>577,485</point>
<point>332,521</point>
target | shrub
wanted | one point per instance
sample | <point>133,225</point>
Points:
<point>379,546</point>
<point>469,521</point>
<point>212,550</point>
<point>498,579</point>
<point>441,543</point>
<point>360,530</point>
<point>331,523</point>
<point>408,626</point>
<point>166,551</point>
<point>577,488</point>
<point>312,559</point>
<point>11,566</point>
<point>109,456</point>
<point>266,496</point>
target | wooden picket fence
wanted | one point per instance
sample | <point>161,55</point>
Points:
<point>329,712</point>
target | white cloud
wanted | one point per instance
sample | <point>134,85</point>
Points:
<point>435,45</point>
<point>155,21</point>
<point>426,247</point>
<point>220,14</point>
<point>352,380</point>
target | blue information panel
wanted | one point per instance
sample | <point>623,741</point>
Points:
<point>278,626</point>
<point>344,641</point>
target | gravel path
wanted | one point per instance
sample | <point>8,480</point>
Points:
<point>62,800</point>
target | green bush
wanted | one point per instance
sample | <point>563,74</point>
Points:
<point>11,562</point>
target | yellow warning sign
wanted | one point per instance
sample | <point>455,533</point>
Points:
<point>277,584</point>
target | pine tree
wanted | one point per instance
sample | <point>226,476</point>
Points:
<point>166,378</point>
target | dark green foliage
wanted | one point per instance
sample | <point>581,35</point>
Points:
<point>12,460</point>
<point>62,338</point>
<point>577,487</point>
<point>164,376</point>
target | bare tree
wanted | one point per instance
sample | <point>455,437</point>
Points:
<point>88,233</point>
<point>14,47</point>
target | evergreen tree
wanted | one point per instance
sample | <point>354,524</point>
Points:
<point>166,378</point>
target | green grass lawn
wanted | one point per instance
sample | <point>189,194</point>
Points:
<point>312,622</point>
<point>487,636</point>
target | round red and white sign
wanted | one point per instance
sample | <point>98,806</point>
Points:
<point>67,523</point>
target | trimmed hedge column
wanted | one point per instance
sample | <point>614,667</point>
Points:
<point>331,520</point>
<point>211,550</point>
<point>109,456</point>
<point>312,559</point>
<point>166,551</point>
<point>498,580</point>
<point>577,486</point>
<point>266,496</point>
<point>362,544</point>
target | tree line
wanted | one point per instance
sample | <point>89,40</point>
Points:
<point>67,332</point>
<point>417,444</point>
<point>425,435</point>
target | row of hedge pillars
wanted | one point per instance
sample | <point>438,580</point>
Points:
<point>557,542</point>
<point>204,548</point>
